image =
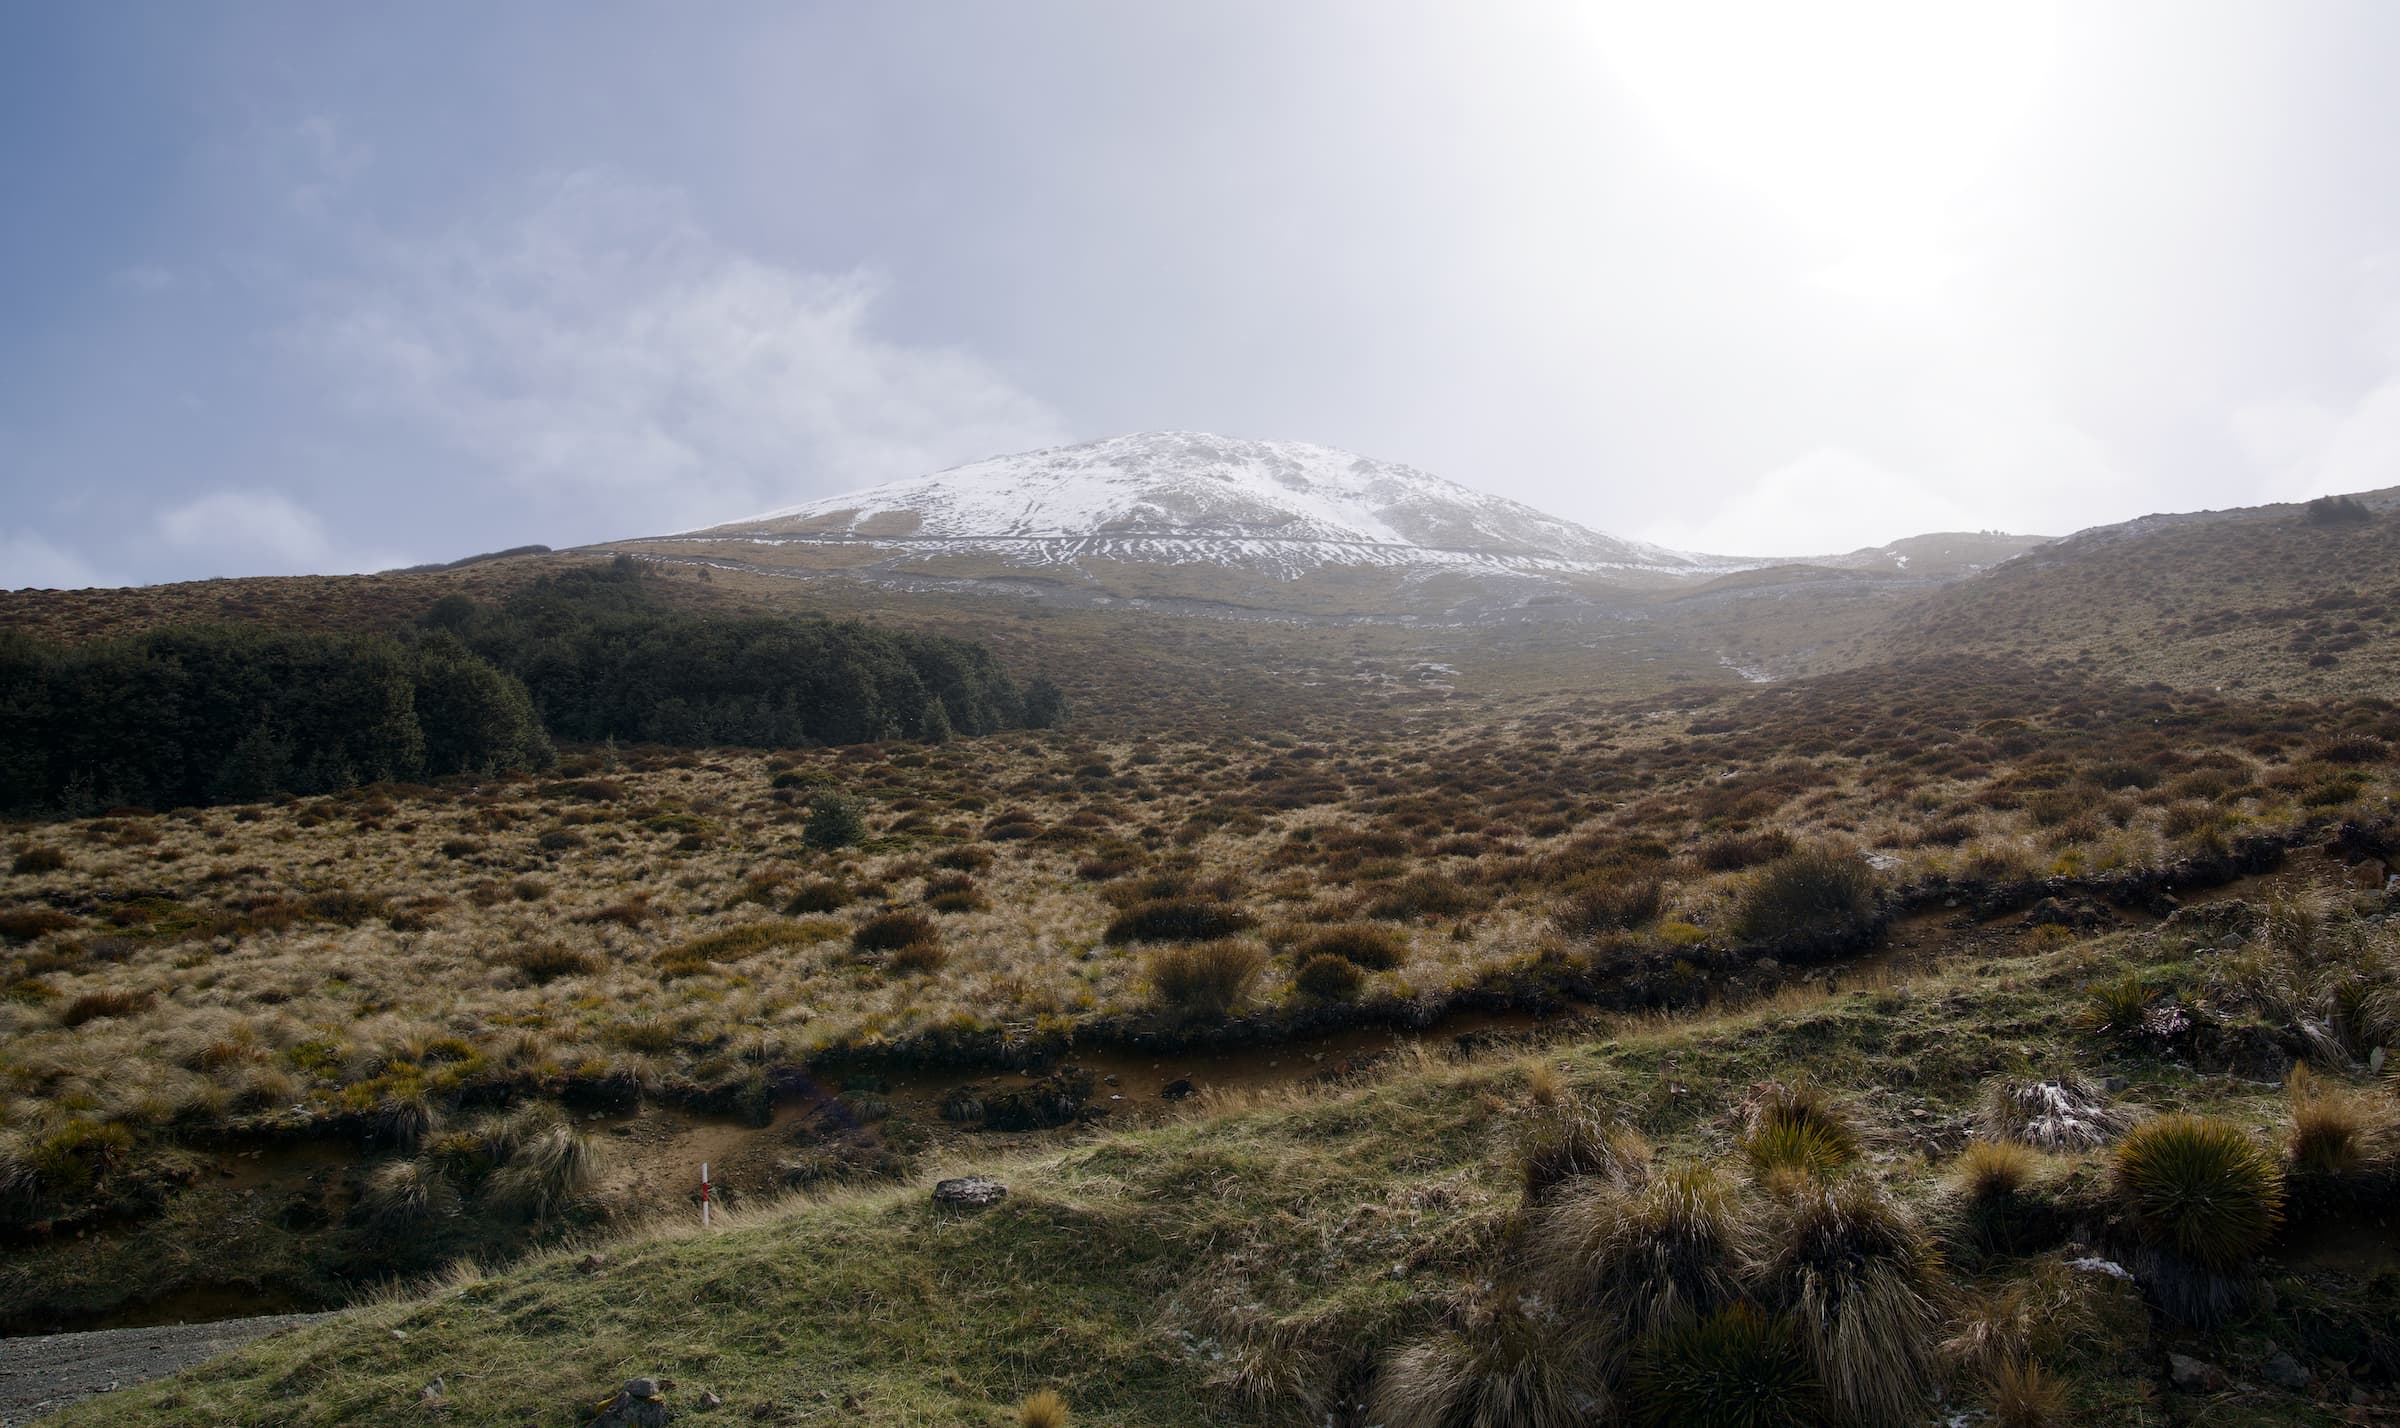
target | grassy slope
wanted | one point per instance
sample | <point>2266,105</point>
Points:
<point>1245,1265</point>
<point>2251,599</point>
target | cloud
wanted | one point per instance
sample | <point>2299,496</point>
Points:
<point>29,562</point>
<point>1830,501</point>
<point>256,533</point>
<point>604,349</point>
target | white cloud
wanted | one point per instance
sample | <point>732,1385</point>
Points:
<point>604,348</point>
<point>2305,448</point>
<point>253,533</point>
<point>1830,501</point>
<point>29,562</point>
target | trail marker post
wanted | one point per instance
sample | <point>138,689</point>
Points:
<point>704,1188</point>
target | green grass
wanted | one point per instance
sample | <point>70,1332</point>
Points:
<point>1235,1266</point>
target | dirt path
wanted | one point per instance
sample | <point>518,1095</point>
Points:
<point>41,1375</point>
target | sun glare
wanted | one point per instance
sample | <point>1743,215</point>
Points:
<point>1862,120</point>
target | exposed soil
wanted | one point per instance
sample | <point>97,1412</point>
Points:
<point>40,1376</point>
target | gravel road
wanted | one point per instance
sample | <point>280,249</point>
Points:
<point>41,1375</point>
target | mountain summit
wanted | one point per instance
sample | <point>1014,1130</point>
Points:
<point>1191,496</point>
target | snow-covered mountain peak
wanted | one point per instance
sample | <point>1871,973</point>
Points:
<point>1194,486</point>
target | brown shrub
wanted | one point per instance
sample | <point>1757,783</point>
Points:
<point>1208,978</point>
<point>1378,949</point>
<point>113,1002</point>
<point>891,931</point>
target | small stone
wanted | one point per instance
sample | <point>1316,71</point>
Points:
<point>592,1263</point>
<point>969,1192</point>
<point>1176,1089</point>
<point>400,1335</point>
<point>2284,1371</point>
<point>709,1399</point>
<point>2192,1376</point>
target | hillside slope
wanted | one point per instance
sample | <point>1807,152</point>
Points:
<point>2262,598</point>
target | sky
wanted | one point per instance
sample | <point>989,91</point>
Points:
<point>291,288</point>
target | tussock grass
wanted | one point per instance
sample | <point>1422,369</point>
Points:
<point>1207,979</point>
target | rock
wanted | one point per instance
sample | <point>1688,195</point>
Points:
<point>1054,1100</point>
<point>969,1192</point>
<point>1176,1089</point>
<point>592,1263</point>
<point>2284,1371</point>
<point>2192,1376</point>
<point>708,1399</point>
<point>2078,914</point>
<point>636,1405</point>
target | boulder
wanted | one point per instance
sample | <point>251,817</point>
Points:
<point>969,1192</point>
<point>636,1405</point>
<point>2192,1376</point>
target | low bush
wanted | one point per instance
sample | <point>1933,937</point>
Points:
<point>1737,1368</point>
<point>1378,949</point>
<point>2025,1395</point>
<point>1176,920</point>
<point>1506,1366</point>
<point>2330,1127</point>
<point>1208,978</point>
<point>545,963</point>
<point>817,895</point>
<point>891,931</point>
<point>834,821</point>
<point>920,958</point>
<point>1601,906</point>
<point>1810,893</point>
<point>550,1169</point>
<point>105,1004</point>
<point>1423,894</point>
<point>38,859</point>
<point>406,1196</point>
<point>1572,1145</point>
<point>24,924</point>
<point>1797,1128</point>
<point>1858,1276</point>
<point>1646,1258</point>
<point>1732,852</point>
<point>1329,978</point>
<point>2205,1200</point>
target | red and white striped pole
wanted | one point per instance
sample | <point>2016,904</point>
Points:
<point>704,1188</point>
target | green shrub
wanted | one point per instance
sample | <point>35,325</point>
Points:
<point>1178,919</point>
<point>1811,893</point>
<point>1329,978</point>
<point>1738,1368</point>
<point>2205,1200</point>
<point>1208,978</point>
<point>834,821</point>
<point>1797,1127</point>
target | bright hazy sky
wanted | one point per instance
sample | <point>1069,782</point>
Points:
<point>299,287</point>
